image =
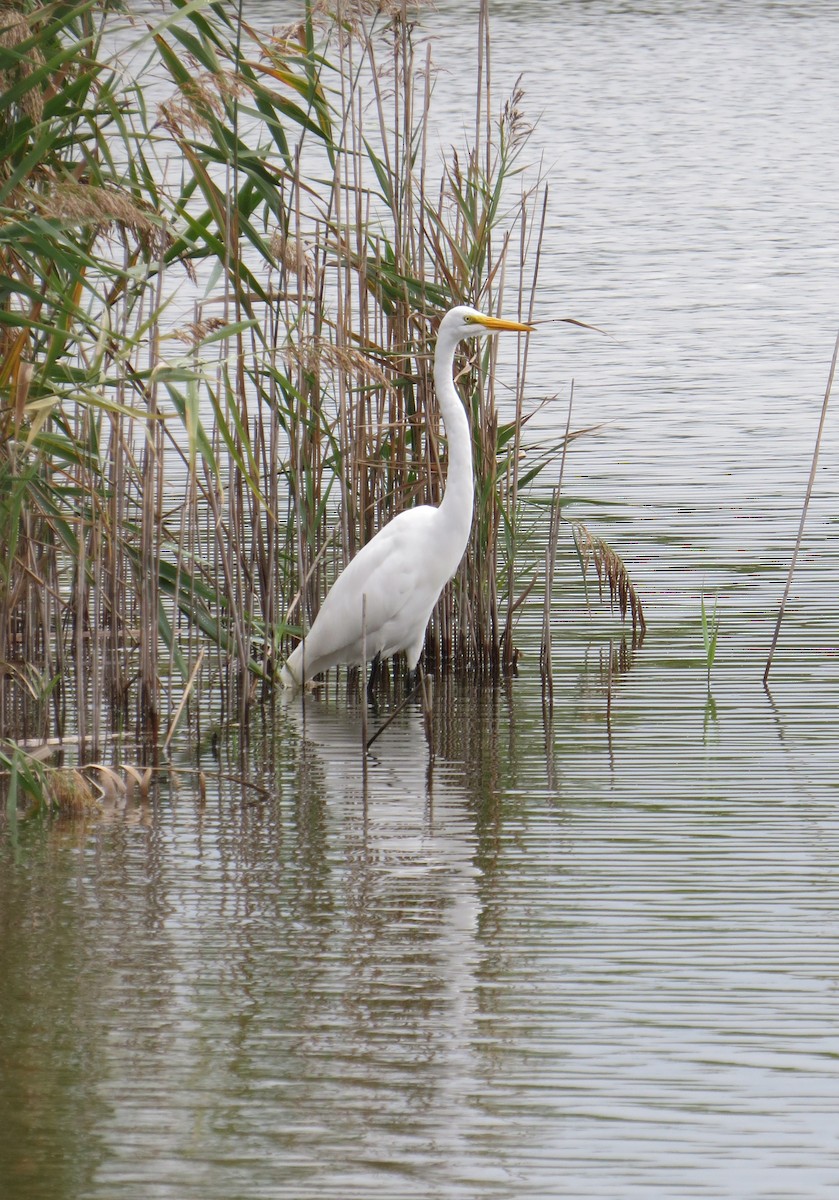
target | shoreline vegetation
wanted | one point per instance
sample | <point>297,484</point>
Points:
<point>222,268</point>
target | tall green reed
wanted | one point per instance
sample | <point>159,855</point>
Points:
<point>179,474</point>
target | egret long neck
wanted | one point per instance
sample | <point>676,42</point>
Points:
<point>459,491</point>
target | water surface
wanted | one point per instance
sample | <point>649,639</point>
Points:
<point>590,951</point>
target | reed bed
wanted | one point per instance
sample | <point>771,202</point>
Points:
<point>216,322</point>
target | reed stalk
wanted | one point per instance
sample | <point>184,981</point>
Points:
<point>808,492</point>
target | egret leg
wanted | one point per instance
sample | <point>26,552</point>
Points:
<point>375,671</point>
<point>424,689</point>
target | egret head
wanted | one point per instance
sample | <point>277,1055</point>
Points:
<point>463,322</point>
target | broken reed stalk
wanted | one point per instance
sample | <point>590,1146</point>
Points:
<point>808,493</point>
<point>173,724</point>
<point>417,690</point>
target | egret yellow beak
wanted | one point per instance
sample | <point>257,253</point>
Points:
<point>498,323</point>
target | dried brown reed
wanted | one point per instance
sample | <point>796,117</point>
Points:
<point>612,574</point>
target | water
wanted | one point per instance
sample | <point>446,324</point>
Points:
<point>583,953</point>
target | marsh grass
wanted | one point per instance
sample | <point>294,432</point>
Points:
<point>710,634</point>
<point>217,315</point>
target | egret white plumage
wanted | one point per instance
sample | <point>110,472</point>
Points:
<point>383,599</point>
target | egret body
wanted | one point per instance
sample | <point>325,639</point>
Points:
<point>383,599</point>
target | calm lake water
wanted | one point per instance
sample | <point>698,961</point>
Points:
<point>592,952</point>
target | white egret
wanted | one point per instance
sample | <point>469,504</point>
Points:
<point>383,599</point>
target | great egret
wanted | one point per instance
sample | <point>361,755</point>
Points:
<point>383,599</point>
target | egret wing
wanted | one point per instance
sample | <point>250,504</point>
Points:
<point>391,571</point>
